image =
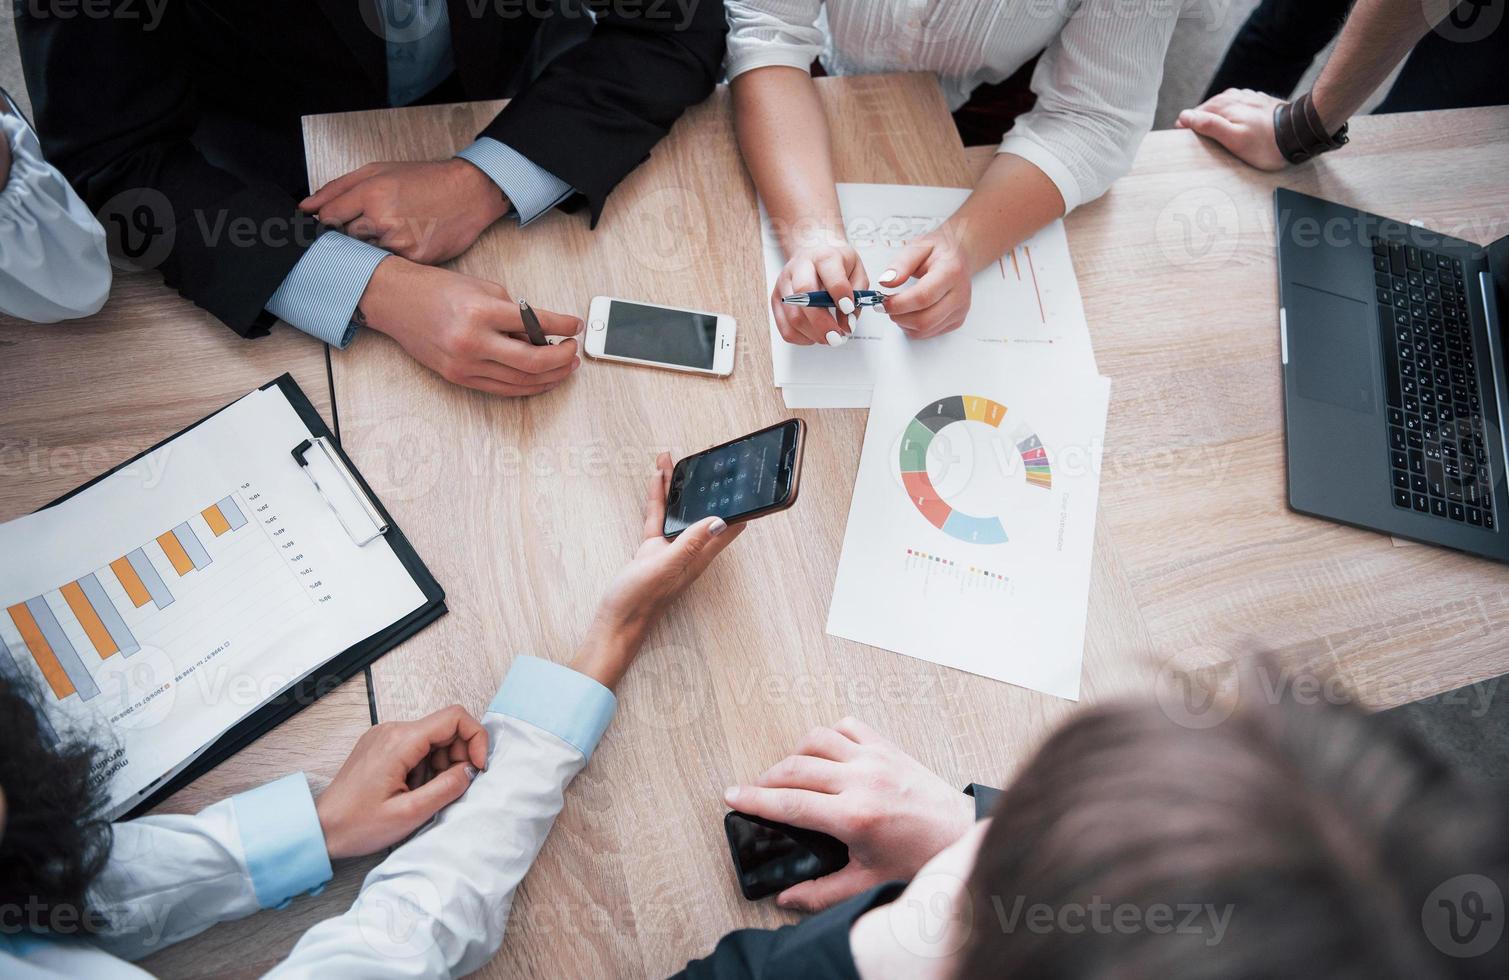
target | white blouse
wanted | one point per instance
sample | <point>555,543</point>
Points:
<point>1096,85</point>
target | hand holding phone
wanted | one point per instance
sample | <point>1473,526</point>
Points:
<point>746,478</point>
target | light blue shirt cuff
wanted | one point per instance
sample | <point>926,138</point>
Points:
<point>569,705</point>
<point>284,845</point>
<point>321,291</point>
<point>530,188</point>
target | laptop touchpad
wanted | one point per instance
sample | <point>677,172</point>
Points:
<point>1333,343</point>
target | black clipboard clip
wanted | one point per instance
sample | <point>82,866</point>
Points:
<point>352,506</point>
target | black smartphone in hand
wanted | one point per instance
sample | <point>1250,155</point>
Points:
<point>770,857</point>
<point>749,477</point>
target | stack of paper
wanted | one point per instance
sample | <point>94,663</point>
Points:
<point>1027,304</point>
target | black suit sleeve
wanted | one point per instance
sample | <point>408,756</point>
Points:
<point>596,111</point>
<point>985,798</point>
<point>813,949</point>
<point>115,111</point>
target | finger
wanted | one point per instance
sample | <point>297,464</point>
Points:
<point>905,265</point>
<point>654,506</point>
<point>335,188</point>
<point>835,279</point>
<point>529,359</point>
<point>827,743</point>
<point>852,728</point>
<point>558,324</point>
<point>492,387</point>
<point>440,728</point>
<point>505,374</point>
<point>804,772</point>
<point>798,807</point>
<point>1211,126</point>
<point>926,292</point>
<point>813,325</point>
<point>343,210</point>
<point>944,316</point>
<point>704,541</point>
<point>829,890</point>
<point>423,803</point>
<point>822,323</point>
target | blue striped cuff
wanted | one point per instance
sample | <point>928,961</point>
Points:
<point>571,706</point>
<point>281,835</point>
<point>530,188</point>
<point>321,292</point>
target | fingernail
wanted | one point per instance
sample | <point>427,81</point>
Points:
<point>784,902</point>
<point>731,795</point>
<point>717,527</point>
<point>845,305</point>
<point>853,321</point>
<point>835,339</point>
<point>888,275</point>
<point>471,773</point>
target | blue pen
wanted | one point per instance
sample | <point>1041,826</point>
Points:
<point>821,299</point>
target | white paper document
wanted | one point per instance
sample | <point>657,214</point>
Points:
<point>972,524</point>
<point>156,609</point>
<point>1026,304</point>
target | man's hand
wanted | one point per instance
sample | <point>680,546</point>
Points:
<point>657,574</point>
<point>425,212</point>
<point>939,301</point>
<point>398,776</point>
<point>834,267</point>
<point>850,782</point>
<point>467,330</point>
<point>1242,121</point>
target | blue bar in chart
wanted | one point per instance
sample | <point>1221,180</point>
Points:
<point>191,546</point>
<point>62,648</point>
<point>145,571</point>
<point>109,616</point>
<point>232,513</point>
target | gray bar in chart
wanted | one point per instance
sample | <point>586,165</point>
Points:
<point>147,572</point>
<point>106,611</point>
<point>232,513</point>
<point>62,648</point>
<point>10,666</point>
<point>192,547</point>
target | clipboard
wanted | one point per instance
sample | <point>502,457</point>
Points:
<point>342,666</point>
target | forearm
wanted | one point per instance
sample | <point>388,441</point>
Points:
<point>1378,35</point>
<point>1011,202</point>
<point>794,174</point>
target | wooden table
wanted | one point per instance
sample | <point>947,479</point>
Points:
<point>75,399</point>
<point>525,508</point>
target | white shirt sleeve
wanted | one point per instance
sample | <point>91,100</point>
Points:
<point>53,263</point>
<point>439,905</point>
<point>173,876</point>
<point>762,33</point>
<point>1097,89</point>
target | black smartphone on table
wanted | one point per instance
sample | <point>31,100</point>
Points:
<point>745,478</point>
<point>770,857</point>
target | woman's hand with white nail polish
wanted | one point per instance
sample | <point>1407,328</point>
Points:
<point>834,267</point>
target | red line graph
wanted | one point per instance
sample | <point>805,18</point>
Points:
<point>1042,314</point>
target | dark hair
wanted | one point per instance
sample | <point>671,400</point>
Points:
<point>1334,846</point>
<point>54,840</point>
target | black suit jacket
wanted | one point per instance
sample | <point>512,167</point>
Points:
<point>184,134</point>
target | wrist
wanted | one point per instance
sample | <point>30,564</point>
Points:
<point>609,650</point>
<point>479,190</point>
<point>384,294</point>
<point>336,846</point>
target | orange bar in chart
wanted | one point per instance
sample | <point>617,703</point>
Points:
<point>182,564</point>
<point>216,520</point>
<point>89,619</point>
<point>130,581</point>
<point>41,652</point>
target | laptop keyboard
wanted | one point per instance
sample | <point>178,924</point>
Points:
<point>1437,457</point>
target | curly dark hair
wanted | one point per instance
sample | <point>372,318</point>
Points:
<point>54,839</point>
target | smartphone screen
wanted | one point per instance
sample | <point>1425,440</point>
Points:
<point>737,479</point>
<point>649,333</point>
<point>770,857</point>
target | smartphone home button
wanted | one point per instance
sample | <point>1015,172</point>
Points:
<point>597,325</point>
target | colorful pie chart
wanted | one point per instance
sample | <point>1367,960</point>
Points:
<point>919,435</point>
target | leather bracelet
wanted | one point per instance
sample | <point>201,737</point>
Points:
<point>1300,134</point>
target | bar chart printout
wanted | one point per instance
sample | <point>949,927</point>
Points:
<point>154,616</point>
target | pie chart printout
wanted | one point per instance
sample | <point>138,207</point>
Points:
<point>920,432</point>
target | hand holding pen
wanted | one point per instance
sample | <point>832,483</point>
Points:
<point>832,270</point>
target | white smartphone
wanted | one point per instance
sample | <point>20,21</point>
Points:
<point>660,336</point>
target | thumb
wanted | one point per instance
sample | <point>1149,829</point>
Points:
<point>440,792</point>
<point>820,893</point>
<point>1211,126</point>
<point>702,542</point>
<point>906,263</point>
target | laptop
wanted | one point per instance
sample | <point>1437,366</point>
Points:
<point>1393,349</point>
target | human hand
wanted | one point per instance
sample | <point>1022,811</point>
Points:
<point>467,330</point>
<point>398,776</point>
<point>850,782</point>
<point>1242,121</point>
<point>641,592</point>
<point>939,301</point>
<point>835,267</point>
<point>425,212</point>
